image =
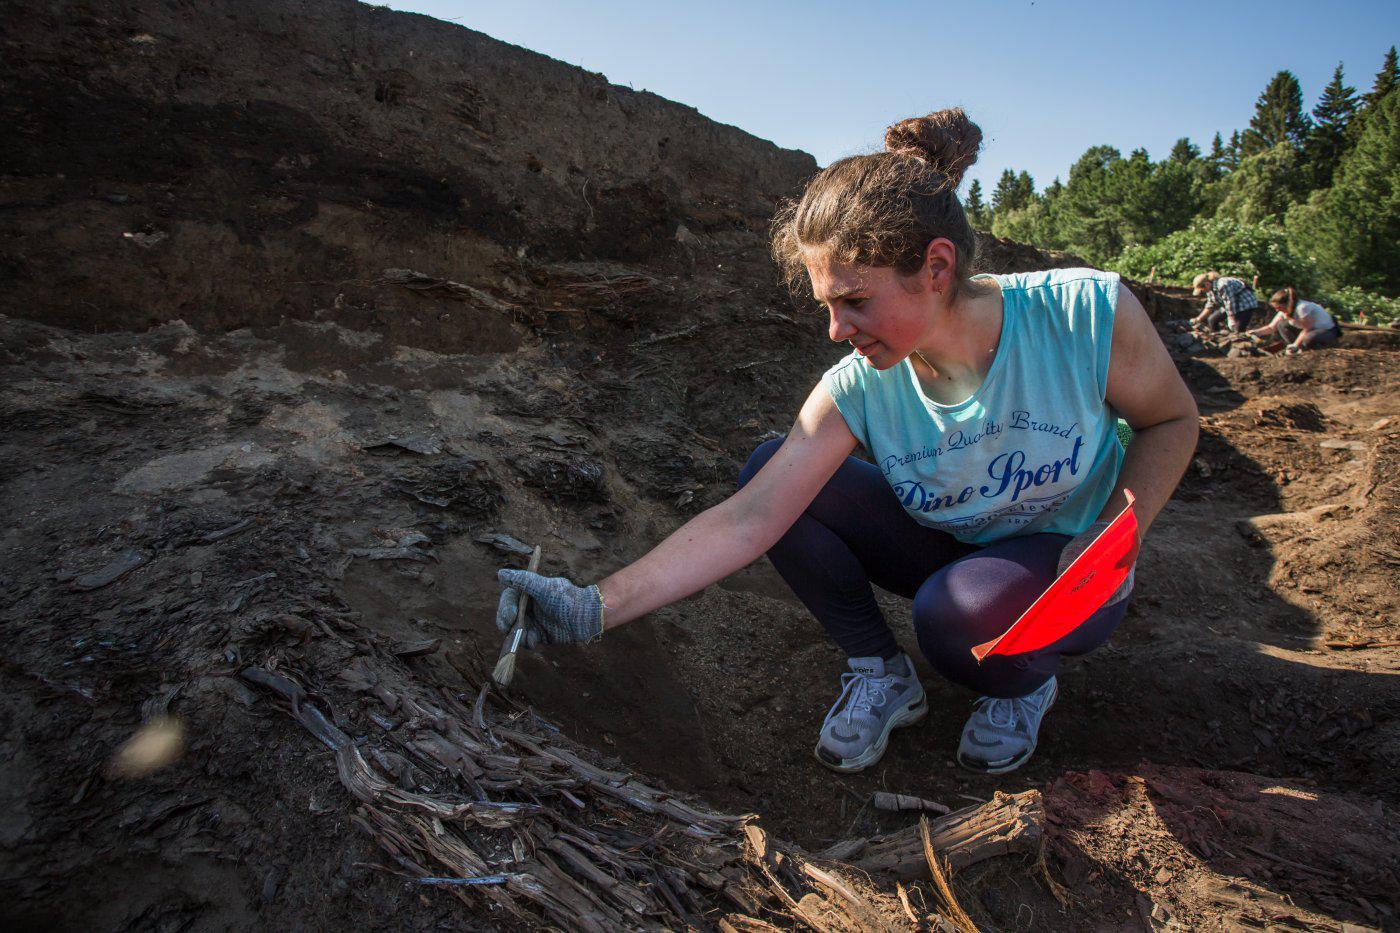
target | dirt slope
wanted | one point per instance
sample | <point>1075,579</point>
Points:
<point>588,343</point>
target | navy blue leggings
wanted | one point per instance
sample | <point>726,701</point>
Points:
<point>856,533</point>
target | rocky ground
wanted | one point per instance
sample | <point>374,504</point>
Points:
<point>341,311</point>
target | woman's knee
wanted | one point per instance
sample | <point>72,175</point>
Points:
<point>968,603</point>
<point>947,628</point>
<point>947,640</point>
<point>761,455</point>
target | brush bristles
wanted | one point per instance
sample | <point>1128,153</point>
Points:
<point>505,670</point>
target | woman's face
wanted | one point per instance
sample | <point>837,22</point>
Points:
<point>882,314</point>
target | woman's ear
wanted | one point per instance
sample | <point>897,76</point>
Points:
<point>941,263</point>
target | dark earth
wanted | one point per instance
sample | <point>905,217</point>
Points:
<point>309,305</point>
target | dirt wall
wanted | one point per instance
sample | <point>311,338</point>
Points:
<point>193,160</point>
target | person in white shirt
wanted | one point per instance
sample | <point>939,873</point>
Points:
<point>1301,325</point>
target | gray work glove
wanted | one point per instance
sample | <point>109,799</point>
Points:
<point>1079,543</point>
<point>558,613</point>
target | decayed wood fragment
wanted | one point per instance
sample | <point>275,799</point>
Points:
<point>884,800</point>
<point>1009,823</point>
<point>490,803</point>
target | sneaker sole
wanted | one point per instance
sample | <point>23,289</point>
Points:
<point>914,710</point>
<point>1011,764</point>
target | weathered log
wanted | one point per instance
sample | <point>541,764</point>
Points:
<point>1009,823</point>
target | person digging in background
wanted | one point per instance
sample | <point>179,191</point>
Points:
<point>987,404</point>
<point>1228,300</point>
<point>1299,324</point>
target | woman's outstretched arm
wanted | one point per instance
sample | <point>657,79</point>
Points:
<point>737,531</point>
<point>1145,387</point>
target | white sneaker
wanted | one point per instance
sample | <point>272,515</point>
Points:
<point>876,698</point>
<point>1001,734</point>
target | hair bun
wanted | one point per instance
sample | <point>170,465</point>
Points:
<point>947,140</point>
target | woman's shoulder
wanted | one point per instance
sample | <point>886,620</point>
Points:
<point>1060,293</point>
<point>1062,305</point>
<point>1056,279</point>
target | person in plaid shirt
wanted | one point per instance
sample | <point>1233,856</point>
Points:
<point>1227,298</point>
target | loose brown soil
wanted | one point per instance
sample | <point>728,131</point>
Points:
<point>595,345</point>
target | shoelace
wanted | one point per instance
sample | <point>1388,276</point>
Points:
<point>864,692</point>
<point>1000,712</point>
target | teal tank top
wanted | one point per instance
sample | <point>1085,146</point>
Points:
<point>1034,449</point>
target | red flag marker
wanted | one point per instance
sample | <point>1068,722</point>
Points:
<point>1077,593</point>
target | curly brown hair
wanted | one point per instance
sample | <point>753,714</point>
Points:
<point>885,208</point>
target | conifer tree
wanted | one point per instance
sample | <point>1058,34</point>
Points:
<point>1086,204</point>
<point>1278,116</point>
<point>1234,152</point>
<point>1004,195</point>
<point>1218,161</point>
<point>1025,189</point>
<point>1352,229</point>
<point>1387,79</point>
<point>1186,152</point>
<point>975,207</point>
<point>1329,139</point>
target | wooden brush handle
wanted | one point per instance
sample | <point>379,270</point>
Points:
<point>512,642</point>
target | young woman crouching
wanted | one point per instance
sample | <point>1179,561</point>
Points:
<point>1301,325</point>
<point>987,405</point>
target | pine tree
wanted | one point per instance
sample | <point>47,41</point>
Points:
<point>1352,229</point>
<point>1215,164</point>
<point>1186,152</point>
<point>1086,207</point>
<point>1235,150</point>
<point>1025,190</point>
<point>1217,148</point>
<point>1387,79</point>
<point>1329,139</point>
<point>1005,193</point>
<point>1278,116</point>
<point>975,207</point>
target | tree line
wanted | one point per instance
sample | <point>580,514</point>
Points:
<point>1309,199</point>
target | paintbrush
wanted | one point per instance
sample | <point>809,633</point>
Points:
<point>505,666</point>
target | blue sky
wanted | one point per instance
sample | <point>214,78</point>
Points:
<point>1045,79</point>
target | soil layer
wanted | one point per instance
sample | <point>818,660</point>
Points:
<point>324,317</point>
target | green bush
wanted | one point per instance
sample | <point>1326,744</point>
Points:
<point>1351,303</point>
<point>1227,246</point>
